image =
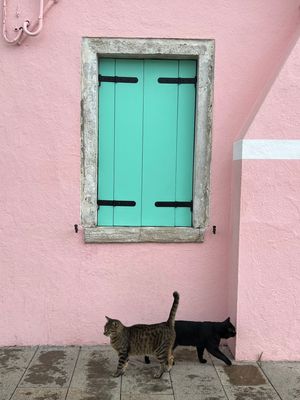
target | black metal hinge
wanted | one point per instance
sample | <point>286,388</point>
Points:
<point>116,203</point>
<point>117,79</point>
<point>175,204</point>
<point>178,80</point>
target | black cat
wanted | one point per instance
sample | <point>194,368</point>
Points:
<point>203,335</point>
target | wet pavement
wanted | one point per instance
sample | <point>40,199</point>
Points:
<point>85,373</point>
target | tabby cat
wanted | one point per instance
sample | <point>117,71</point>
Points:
<point>203,335</point>
<point>156,339</point>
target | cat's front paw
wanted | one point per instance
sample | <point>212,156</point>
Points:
<point>228,362</point>
<point>171,361</point>
<point>203,361</point>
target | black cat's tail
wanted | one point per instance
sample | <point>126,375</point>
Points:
<point>171,319</point>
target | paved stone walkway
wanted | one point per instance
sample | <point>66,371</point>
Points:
<point>84,373</point>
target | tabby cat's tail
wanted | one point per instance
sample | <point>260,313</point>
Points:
<point>171,319</point>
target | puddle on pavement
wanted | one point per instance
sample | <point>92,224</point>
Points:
<point>43,394</point>
<point>48,369</point>
<point>97,368</point>
<point>52,357</point>
<point>8,356</point>
<point>244,375</point>
<point>99,378</point>
<point>146,383</point>
<point>185,354</point>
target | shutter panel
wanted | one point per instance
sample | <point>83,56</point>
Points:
<point>120,142</point>
<point>159,149</point>
<point>168,142</point>
<point>106,142</point>
<point>185,143</point>
<point>128,142</point>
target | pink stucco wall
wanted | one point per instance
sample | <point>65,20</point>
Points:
<point>264,267</point>
<point>268,317</point>
<point>279,115</point>
<point>54,288</point>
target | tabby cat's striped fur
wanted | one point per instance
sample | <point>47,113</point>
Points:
<point>156,339</point>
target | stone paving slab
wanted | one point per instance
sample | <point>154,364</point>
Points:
<point>74,373</point>
<point>285,377</point>
<point>132,396</point>
<point>92,379</point>
<point>138,379</point>
<point>51,367</point>
<point>251,393</point>
<point>193,380</point>
<point>196,382</point>
<point>39,394</point>
<point>245,382</point>
<point>13,364</point>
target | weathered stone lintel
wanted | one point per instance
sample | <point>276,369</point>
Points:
<point>143,48</point>
<point>142,235</point>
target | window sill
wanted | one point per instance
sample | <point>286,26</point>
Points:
<point>143,234</point>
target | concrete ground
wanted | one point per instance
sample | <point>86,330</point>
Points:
<point>84,373</point>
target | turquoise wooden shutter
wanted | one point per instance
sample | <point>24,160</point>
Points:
<point>146,142</point>
<point>120,142</point>
<point>185,142</point>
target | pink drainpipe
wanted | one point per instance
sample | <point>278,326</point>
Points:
<point>40,22</point>
<point>24,29</point>
<point>4,30</point>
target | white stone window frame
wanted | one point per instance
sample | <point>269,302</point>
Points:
<point>194,49</point>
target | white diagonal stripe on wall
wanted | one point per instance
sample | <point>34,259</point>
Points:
<point>260,149</point>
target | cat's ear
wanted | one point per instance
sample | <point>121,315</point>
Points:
<point>228,319</point>
<point>108,319</point>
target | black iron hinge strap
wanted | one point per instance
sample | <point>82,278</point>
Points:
<point>177,80</point>
<point>116,203</point>
<point>175,204</point>
<point>117,79</point>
